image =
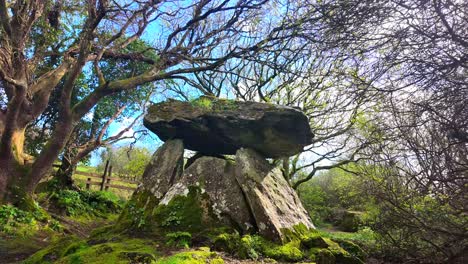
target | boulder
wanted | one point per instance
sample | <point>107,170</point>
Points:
<point>221,194</point>
<point>273,203</point>
<point>219,126</point>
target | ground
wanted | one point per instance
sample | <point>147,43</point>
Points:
<point>78,227</point>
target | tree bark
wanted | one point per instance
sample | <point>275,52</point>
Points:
<point>14,178</point>
<point>64,174</point>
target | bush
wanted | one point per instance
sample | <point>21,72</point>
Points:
<point>75,203</point>
<point>328,196</point>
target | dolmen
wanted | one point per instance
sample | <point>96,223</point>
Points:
<point>228,183</point>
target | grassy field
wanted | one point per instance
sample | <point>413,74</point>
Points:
<point>81,181</point>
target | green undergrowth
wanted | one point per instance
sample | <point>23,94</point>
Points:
<point>365,238</point>
<point>86,203</point>
<point>301,245</point>
<point>17,222</point>
<point>179,239</point>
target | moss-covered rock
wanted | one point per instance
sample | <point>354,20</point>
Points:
<point>57,250</point>
<point>303,245</point>
<point>351,221</point>
<point>273,130</point>
<point>206,196</point>
<point>325,256</point>
<point>190,212</point>
<point>226,242</point>
<point>352,248</point>
<point>290,252</point>
<point>273,202</point>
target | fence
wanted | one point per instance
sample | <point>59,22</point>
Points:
<point>106,179</point>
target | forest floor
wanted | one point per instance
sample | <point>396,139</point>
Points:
<point>15,249</point>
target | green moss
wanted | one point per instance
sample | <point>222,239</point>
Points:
<point>55,250</point>
<point>201,256</point>
<point>298,232</point>
<point>179,239</point>
<point>249,247</point>
<point>287,252</point>
<point>203,102</point>
<point>186,213</point>
<point>226,242</point>
<point>189,213</point>
<point>325,256</point>
<point>341,255</point>
<point>214,104</point>
<point>352,248</point>
<point>303,244</point>
<point>73,250</point>
<point>137,213</point>
<point>314,241</point>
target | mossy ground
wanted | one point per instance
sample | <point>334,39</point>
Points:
<point>105,246</point>
<point>181,234</point>
<point>303,245</point>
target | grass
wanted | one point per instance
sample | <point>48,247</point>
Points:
<point>81,181</point>
<point>85,168</point>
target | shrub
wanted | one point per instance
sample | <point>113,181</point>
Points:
<point>75,203</point>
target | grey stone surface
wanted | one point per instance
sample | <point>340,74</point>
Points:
<point>164,169</point>
<point>218,126</point>
<point>215,178</point>
<point>274,204</point>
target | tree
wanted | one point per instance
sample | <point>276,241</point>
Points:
<point>94,132</point>
<point>417,167</point>
<point>126,160</point>
<point>74,36</point>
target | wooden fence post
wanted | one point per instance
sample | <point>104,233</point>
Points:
<point>109,177</point>
<point>103,182</point>
<point>88,183</point>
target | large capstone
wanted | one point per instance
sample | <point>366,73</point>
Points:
<point>274,204</point>
<point>216,126</point>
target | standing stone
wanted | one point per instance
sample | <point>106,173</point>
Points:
<point>274,204</point>
<point>223,195</point>
<point>164,169</point>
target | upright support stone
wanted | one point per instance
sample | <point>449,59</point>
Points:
<point>215,177</point>
<point>274,204</point>
<point>164,169</point>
